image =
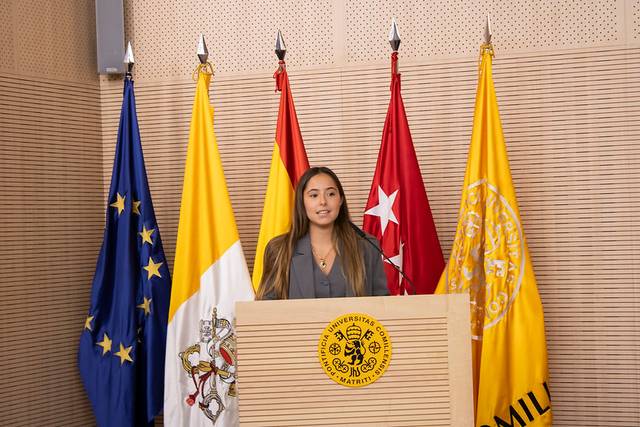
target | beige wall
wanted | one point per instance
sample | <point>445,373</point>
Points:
<point>52,213</point>
<point>568,83</point>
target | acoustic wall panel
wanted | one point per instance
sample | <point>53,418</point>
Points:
<point>567,80</point>
<point>427,383</point>
<point>50,232</point>
<point>54,39</point>
<point>333,33</point>
<point>571,130</point>
<point>53,207</point>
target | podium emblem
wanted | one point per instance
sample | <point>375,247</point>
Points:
<point>354,350</point>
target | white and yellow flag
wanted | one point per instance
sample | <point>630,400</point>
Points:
<point>490,261</point>
<point>210,275</point>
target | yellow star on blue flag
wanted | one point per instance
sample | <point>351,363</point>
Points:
<point>125,381</point>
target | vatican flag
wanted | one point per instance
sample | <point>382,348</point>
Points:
<point>210,275</point>
<point>490,261</point>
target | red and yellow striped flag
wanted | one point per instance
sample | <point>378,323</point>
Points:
<point>288,162</point>
<point>490,261</point>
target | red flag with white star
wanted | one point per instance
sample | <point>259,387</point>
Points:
<point>397,212</point>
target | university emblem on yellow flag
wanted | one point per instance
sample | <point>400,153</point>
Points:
<point>490,261</point>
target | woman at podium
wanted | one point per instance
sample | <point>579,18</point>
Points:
<point>321,256</point>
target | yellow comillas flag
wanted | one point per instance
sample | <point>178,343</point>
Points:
<point>210,274</point>
<point>490,261</point>
<point>288,163</point>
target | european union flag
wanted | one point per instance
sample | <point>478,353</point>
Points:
<point>122,346</point>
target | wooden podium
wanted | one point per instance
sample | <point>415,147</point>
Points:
<point>428,381</point>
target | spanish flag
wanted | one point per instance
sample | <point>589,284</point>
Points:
<point>288,163</point>
<point>490,261</point>
<point>210,275</point>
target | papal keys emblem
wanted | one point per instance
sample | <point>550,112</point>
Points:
<point>354,350</point>
<point>211,365</point>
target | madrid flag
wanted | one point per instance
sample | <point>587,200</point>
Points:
<point>210,275</point>
<point>288,163</point>
<point>490,261</point>
<point>397,212</point>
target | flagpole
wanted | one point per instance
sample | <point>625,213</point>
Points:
<point>281,52</point>
<point>202,51</point>
<point>487,30</point>
<point>397,211</point>
<point>498,275</point>
<point>129,61</point>
<point>288,162</point>
<point>487,45</point>
<point>122,348</point>
<point>210,275</point>
<point>281,49</point>
<point>394,41</point>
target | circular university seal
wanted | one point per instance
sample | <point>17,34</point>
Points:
<point>354,350</point>
<point>487,257</point>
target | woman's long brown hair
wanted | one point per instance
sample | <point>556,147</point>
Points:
<point>278,253</point>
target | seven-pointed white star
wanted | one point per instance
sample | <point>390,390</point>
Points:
<point>384,209</point>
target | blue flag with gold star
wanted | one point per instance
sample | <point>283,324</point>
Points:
<point>122,345</point>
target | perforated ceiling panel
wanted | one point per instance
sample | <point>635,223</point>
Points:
<point>447,28</point>
<point>328,33</point>
<point>6,37</point>
<point>634,18</point>
<point>240,35</point>
<point>55,39</point>
<point>427,29</point>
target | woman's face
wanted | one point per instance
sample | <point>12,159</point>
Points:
<point>322,200</point>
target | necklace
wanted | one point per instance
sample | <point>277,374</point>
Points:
<point>322,260</point>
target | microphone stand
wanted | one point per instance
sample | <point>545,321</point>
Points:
<point>363,235</point>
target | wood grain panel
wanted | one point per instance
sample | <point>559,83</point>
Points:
<point>281,381</point>
<point>51,229</point>
<point>568,83</point>
<point>53,208</point>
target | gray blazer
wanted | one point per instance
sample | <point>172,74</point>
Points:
<point>301,271</point>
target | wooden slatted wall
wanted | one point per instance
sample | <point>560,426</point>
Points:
<point>50,228</point>
<point>569,121</point>
<point>52,212</point>
<point>568,83</point>
<point>428,382</point>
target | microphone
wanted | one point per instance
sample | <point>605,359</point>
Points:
<point>363,235</point>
